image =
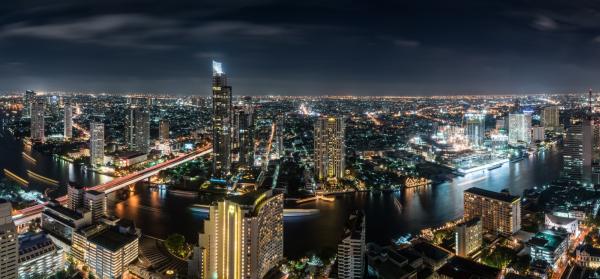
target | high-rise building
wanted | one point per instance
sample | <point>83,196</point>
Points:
<point>222,122</point>
<point>39,257</point>
<point>475,130</point>
<point>9,243</point>
<point>28,98</point>
<point>499,212</point>
<point>163,130</point>
<point>95,202</point>
<point>577,153</point>
<point>538,133</point>
<point>38,107</point>
<point>519,128</point>
<point>137,129</point>
<point>76,195</point>
<point>244,135</point>
<point>549,246</point>
<point>329,148</point>
<point>97,144</point>
<point>243,236</point>
<point>351,251</point>
<point>68,126</point>
<point>106,249</point>
<point>469,237</point>
<point>60,223</point>
<point>550,118</point>
<point>279,134</point>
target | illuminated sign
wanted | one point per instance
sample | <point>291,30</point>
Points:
<point>217,68</point>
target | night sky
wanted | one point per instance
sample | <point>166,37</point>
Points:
<point>304,47</point>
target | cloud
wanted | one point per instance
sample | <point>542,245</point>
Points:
<point>406,43</point>
<point>221,28</point>
<point>544,23</point>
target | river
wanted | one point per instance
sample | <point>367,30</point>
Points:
<point>388,215</point>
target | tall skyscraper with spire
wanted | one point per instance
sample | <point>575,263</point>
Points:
<point>222,121</point>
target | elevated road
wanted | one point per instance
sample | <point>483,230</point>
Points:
<point>27,214</point>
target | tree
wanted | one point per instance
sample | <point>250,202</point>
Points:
<point>177,245</point>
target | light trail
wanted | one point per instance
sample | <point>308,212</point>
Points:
<point>16,178</point>
<point>42,178</point>
<point>31,159</point>
<point>472,180</point>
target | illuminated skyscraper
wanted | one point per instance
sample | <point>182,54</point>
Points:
<point>27,100</point>
<point>95,202</point>
<point>137,129</point>
<point>244,134</point>
<point>9,243</point>
<point>163,130</point>
<point>222,121</point>
<point>243,237</point>
<point>38,107</point>
<point>351,252</point>
<point>469,237</point>
<point>577,153</point>
<point>475,129</point>
<point>329,148</point>
<point>68,128</point>
<point>76,194</point>
<point>97,144</point>
<point>519,128</point>
<point>550,118</point>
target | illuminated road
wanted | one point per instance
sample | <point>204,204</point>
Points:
<point>33,212</point>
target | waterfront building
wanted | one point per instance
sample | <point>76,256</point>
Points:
<point>137,130</point>
<point>243,236</point>
<point>549,246</point>
<point>97,144</point>
<point>469,237</point>
<point>351,251</point>
<point>60,223</point>
<point>95,202</point>
<point>222,122</point>
<point>39,256</point>
<point>9,243</point>
<point>550,118</point>
<point>519,128</point>
<point>329,148</point>
<point>570,225</point>
<point>577,153</point>
<point>68,121</point>
<point>538,134</point>
<point>107,249</point>
<point>28,98</point>
<point>475,129</point>
<point>588,256</point>
<point>38,107</point>
<point>163,131</point>
<point>499,212</point>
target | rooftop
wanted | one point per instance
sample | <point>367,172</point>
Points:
<point>548,239</point>
<point>492,195</point>
<point>459,267</point>
<point>112,239</point>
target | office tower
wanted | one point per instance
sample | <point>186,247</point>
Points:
<point>577,153</point>
<point>519,128</point>
<point>107,249</point>
<point>499,212</point>
<point>9,243</point>
<point>468,236</point>
<point>39,256</point>
<point>329,148</point>
<point>76,194</point>
<point>243,236</point>
<point>538,133</point>
<point>68,128</point>
<point>351,252</point>
<point>97,144</point>
<point>244,128</point>
<point>137,129</point>
<point>95,202</point>
<point>550,118</point>
<point>28,98</point>
<point>222,121</point>
<point>475,130</point>
<point>38,107</point>
<point>279,133</point>
<point>163,131</point>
